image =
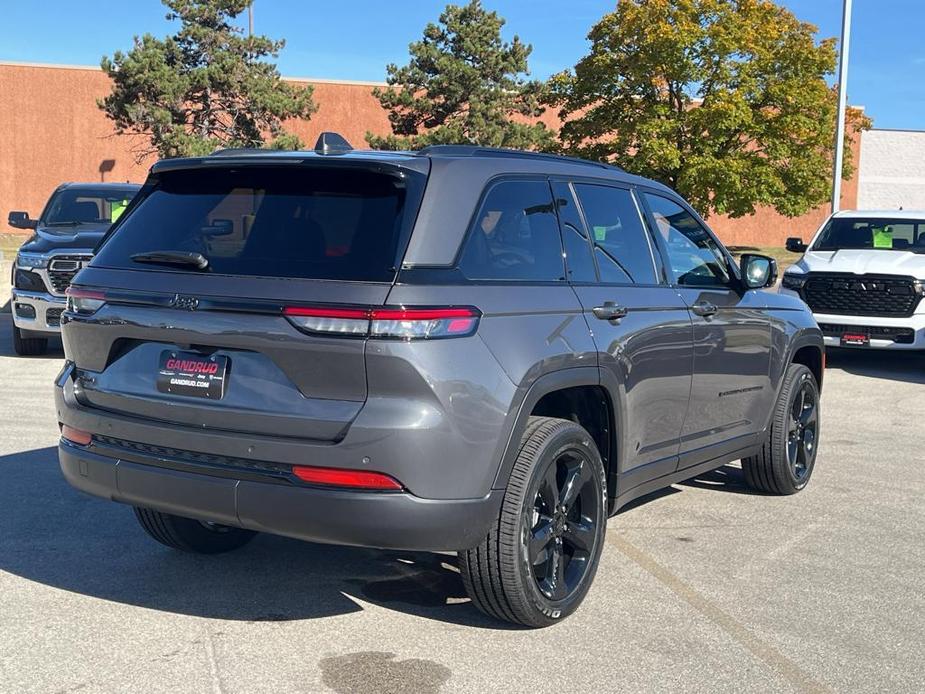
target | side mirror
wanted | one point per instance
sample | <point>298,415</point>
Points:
<point>758,271</point>
<point>20,220</point>
<point>795,245</point>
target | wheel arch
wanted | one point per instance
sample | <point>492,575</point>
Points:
<point>576,394</point>
<point>807,348</point>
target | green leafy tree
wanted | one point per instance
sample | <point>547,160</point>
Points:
<point>207,86</point>
<point>724,100</point>
<point>463,85</point>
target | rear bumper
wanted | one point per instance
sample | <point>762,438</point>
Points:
<point>45,315</point>
<point>388,520</point>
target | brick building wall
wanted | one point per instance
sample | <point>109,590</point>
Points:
<point>52,131</point>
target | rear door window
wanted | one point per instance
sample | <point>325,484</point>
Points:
<point>621,245</point>
<point>311,223</point>
<point>515,235</point>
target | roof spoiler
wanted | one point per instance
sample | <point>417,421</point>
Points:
<point>332,143</point>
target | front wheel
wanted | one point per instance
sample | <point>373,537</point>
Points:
<point>189,535</point>
<point>28,346</point>
<point>538,561</point>
<point>788,455</point>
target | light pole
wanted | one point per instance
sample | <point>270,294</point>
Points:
<point>250,19</point>
<point>842,104</point>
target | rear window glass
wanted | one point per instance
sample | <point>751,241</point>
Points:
<point>311,223</point>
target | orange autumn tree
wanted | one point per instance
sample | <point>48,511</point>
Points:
<point>725,101</point>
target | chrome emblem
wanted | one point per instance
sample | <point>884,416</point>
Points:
<point>185,303</point>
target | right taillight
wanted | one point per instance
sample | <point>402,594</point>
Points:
<point>393,323</point>
<point>84,302</point>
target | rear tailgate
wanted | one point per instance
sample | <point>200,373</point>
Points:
<point>274,239</point>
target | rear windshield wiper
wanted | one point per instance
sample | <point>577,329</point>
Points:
<point>185,258</point>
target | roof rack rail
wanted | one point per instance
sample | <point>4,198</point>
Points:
<point>479,151</point>
<point>238,151</point>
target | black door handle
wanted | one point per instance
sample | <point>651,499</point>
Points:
<point>609,311</point>
<point>704,308</point>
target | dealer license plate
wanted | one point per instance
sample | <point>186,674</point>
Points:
<point>192,374</point>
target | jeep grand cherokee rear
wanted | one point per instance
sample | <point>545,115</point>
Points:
<point>396,350</point>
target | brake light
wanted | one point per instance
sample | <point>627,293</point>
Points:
<point>81,438</point>
<point>354,479</point>
<point>386,323</point>
<point>84,302</point>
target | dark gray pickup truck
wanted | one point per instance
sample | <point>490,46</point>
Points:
<point>74,220</point>
<point>461,348</point>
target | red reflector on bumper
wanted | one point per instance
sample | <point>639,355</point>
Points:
<point>354,479</point>
<point>81,438</point>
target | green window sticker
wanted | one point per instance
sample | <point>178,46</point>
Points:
<point>116,209</point>
<point>600,233</point>
<point>883,237</point>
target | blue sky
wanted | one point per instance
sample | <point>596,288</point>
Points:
<point>354,39</point>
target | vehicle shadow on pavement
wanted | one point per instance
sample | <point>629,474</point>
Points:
<point>908,367</point>
<point>728,478</point>
<point>59,537</point>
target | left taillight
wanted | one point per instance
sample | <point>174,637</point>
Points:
<point>395,323</point>
<point>84,302</point>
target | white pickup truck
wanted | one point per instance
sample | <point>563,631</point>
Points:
<point>863,277</point>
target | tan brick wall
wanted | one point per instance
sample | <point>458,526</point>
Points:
<point>52,131</point>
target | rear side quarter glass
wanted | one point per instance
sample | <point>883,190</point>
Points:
<point>515,235</point>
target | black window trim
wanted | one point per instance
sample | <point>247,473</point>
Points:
<point>583,231</point>
<point>735,279</point>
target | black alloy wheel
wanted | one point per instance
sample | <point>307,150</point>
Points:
<point>803,424</point>
<point>787,457</point>
<point>561,530</point>
<point>536,563</point>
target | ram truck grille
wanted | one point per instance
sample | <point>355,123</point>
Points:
<point>861,295</point>
<point>61,271</point>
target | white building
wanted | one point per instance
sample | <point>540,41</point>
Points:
<point>892,170</point>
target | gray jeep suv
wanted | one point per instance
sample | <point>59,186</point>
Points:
<point>465,349</point>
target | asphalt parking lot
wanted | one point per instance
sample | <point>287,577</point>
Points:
<point>702,587</point>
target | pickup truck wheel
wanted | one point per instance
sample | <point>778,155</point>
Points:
<point>189,535</point>
<point>786,459</point>
<point>28,346</point>
<point>537,562</point>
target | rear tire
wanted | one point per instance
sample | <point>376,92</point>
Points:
<point>189,535</point>
<point>28,346</point>
<point>787,457</point>
<point>537,562</point>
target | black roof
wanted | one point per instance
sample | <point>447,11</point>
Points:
<point>433,151</point>
<point>332,149</point>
